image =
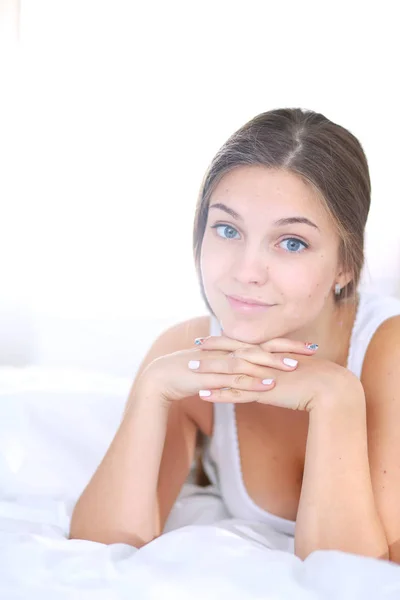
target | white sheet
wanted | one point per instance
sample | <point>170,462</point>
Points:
<point>226,560</point>
<point>215,557</point>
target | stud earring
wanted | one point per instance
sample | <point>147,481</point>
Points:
<point>337,289</point>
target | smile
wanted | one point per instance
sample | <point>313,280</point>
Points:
<point>246,306</point>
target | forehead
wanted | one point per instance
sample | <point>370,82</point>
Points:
<point>256,190</point>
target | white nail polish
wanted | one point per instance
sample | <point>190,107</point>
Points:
<point>204,393</point>
<point>194,364</point>
<point>290,362</point>
<point>267,381</point>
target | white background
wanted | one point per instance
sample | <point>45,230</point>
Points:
<point>112,110</point>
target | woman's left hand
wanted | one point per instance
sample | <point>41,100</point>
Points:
<point>303,388</point>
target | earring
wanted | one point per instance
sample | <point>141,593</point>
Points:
<point>337,289</point>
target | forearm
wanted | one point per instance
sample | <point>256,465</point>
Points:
<point>337,508</point>
<point>120,502</point>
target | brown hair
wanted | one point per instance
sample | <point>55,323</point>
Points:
<point>325,155</point>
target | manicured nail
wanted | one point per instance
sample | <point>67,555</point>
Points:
<point>312,346</point>
<point>199,341</point>
<point>290,362</point>
<point>204,393</point>
<point>267,381</point>
<point>194,364</point>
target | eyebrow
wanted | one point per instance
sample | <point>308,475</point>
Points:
<point>279,223</point>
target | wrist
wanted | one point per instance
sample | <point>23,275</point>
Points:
<point>341,393</point>
<point>146,396</point>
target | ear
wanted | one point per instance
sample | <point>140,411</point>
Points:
<point>343,278</point>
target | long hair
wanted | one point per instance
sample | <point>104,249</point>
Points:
<point>325,155</point>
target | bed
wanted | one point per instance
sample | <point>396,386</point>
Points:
<point>56,424</point>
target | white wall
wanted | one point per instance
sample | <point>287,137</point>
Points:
<point>114,110</point>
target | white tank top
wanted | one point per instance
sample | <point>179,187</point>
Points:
<point>221,453</point>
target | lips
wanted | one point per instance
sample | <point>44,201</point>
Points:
<point>249,301</point>
<point>247,306</point>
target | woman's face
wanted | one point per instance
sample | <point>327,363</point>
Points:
<point>255,247</point>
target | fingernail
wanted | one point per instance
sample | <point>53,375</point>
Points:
<point>193,364</point>
<point>204,393</point>
<point>267,381</point>
<point>290,362</point>
<point>312,346</point>
<point>199,341</point>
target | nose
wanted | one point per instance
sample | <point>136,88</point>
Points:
<point>251,267</point>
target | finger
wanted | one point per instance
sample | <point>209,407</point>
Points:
<point>270,396</point>
<point>286,345</point>
<point>236,396</point>
<point>239,382</point>
<point>275,345</point>
<point>231,372</point>
<point>221,342</point>
<point>257,356</point>
<point>249,361</point>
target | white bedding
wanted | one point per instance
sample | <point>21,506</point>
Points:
<point>54,429</point>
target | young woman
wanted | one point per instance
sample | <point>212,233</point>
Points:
<point>299,436</point>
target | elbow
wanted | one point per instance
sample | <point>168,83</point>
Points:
<point>108,537</point>
<point>372,552</point>
<point>302,553</point>
<point>107,529</point>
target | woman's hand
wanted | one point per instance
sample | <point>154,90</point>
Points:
<point>188,372</point>
<point>298,389</point>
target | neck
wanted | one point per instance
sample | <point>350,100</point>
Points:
<point>332,331</point>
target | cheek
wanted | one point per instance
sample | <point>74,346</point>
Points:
<point>305,287</point>
<point>213,261</point>
<point>325,270</point>
<point>307,278</point>
<point>296,281</point>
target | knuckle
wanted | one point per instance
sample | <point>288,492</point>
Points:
<point>239,363</point>
<point>277,360</point>
<point>236,393</point>
<point>240,352</point>
<point>239,379</point>
<point>232,364</point>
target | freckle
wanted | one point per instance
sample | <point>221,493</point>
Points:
<point>384,471</point>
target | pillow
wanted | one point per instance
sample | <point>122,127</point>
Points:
<point>55,427</point>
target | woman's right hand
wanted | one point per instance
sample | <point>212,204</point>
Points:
<point>184,373</point>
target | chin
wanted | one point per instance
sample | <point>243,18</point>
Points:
<point>250,332</point>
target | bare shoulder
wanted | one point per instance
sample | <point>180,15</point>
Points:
<point>381,382</point>
<point>382,356</point>
<point>176,337</point>
<point>183,334</point>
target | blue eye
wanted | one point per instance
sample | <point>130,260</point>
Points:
<point>293,245</point>
<point>228,229</point>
